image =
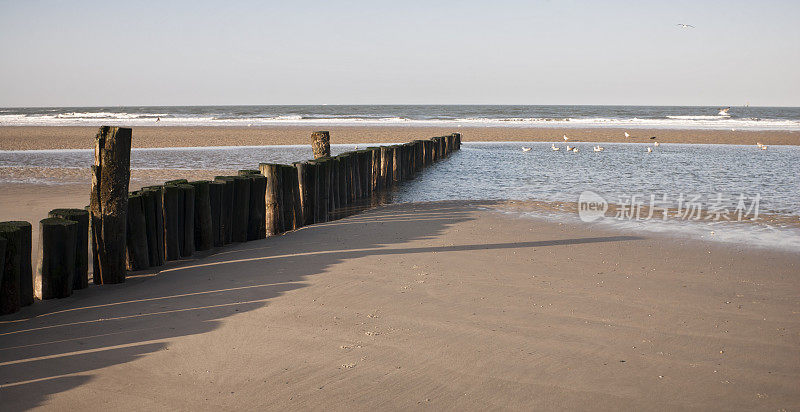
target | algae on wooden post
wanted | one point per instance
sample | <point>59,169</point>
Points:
<point>109,203</point>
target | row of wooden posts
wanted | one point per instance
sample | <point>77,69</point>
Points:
<point>146,228</point>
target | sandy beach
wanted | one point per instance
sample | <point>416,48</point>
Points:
<point>75,137</point>
<point>441,305</point>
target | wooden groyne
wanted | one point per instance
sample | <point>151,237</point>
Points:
<point>157,224</point>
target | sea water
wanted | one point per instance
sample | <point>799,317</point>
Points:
<point>739,117</point>
<point>768,181</point>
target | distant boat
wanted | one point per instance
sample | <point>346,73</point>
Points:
<point>526,149</point>
<point>724,112</point>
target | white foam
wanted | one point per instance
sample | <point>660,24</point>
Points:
<point>149,119</point>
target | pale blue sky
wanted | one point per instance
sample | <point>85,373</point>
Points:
<point>89,53</point>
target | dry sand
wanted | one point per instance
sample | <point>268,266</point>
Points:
<point>65,137</point>
<point>441,305</point>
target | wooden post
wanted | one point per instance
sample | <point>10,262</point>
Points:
<point>321,144</point>
<point>10,288</point>
<point>397,175</point>
<point>203,232</point>
<point>109,202</point>
<point>386,167</point>
<point>241,208</point>
<point>154,218</point>
<point>273,195</point>
<point>341,184</point>
<point>256,225</point>
<point>305,188</point>
<point>226,212</point>
<point>25,270</point>
<point>3,243</point>
<point>187,219</point>
<point>81,218</point>
<point>335,202</point>
<point>375,154</point>
<point>172,228</point>
<point>136,244</point>
<point>215,195</point>
<point>56,270</point>
<point>285,174</point>
<point>296,206</point>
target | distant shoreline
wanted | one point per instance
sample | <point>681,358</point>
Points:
<point>82,137</point>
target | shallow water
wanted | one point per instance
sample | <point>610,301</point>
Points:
<point>502,171</point>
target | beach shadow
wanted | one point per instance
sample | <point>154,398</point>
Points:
<point>54,346</point>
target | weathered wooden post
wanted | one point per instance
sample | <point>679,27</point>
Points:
<point>227,209</point>
<point>56,270</point>
<point>321,144</point>
<point>297,208</point>
<point>256,225</point>
<point>109,203</point>
<point>386,167</point>
<point>22,234</point>
<point>3,243</point>
<point>375,154</point>
<point>81,218</point>
<point>273,216</point>
<point>457,141</point>
<point>187,244</point>
<point>203,232</point>
<point>10,288</point>
<point>397,165</point>
<point>136,249</point>
<point>323,186</point>
<point>335,203</point>
<point>241,208</point>
<point>341,184</point>
<point>215,195</point>
<point>172,228</point>
<point>154,218</point>
<point>305,192</point>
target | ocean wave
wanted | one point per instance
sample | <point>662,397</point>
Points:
<point>176,119</point>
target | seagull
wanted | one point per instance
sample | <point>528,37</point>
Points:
<point>759,144</point>
<point>575,150</point>
<point>763,147</point>
<point>598,149</point>
<point>627,135</point>
<point>569,148</point>
<point>685,26</point>
<point>526,149</point>
<point>655,144</point>
<point>566,138</point>
<point>649,149</point>
<point>724,112</point>
<point>553,146</point>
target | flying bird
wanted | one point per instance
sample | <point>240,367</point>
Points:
<point>685,26</point>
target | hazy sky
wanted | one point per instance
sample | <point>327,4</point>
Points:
<point>86,53</point>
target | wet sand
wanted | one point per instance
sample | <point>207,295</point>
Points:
<point>67,137</point>
<point>441,305</point>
